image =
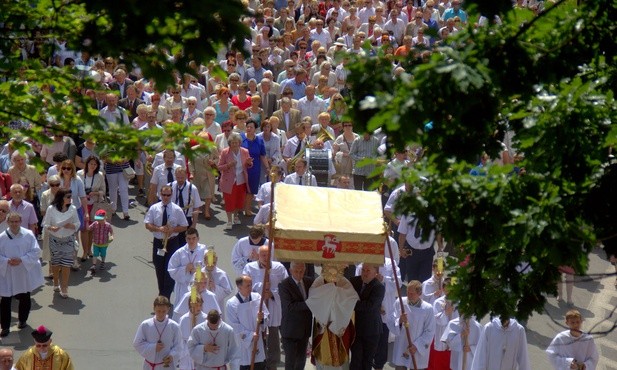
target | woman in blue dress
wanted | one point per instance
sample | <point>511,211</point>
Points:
<point>257,150</point>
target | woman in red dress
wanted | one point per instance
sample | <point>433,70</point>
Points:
<point>233,183</point>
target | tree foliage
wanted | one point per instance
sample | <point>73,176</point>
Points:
<point>161,37</point>
<point>550,80</point>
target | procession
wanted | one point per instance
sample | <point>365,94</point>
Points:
<point>254,225</point>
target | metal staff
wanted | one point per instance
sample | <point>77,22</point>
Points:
<point>274,177</point>
<point>398,290</point>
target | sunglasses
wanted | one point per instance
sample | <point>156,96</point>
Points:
<point>231,65</point>
<point>67,168</point>
<point>68,196</point>
<point>54,185</point>
<point>166,195</point>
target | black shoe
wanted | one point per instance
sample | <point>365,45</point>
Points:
<point>4,333</point>
<point>140,193</point>
<point>22,324</point>
<point>127,217</point>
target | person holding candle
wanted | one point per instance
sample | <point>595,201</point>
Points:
<point>185,262</point>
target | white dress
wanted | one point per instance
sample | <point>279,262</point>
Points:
<point>421,328</point>
<point>28,275</point>
<point>177,268</point>
<point>242,318</point>
<point>452,337</point>
<point>278,273</point>
<point>151,331</point>
<point>564,348</point>
<point>502,349</point>
<point>208,297</point>
<point>223,337</point>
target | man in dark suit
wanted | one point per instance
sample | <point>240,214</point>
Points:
<point>268,98</point>
<point>297,317</point>
<point>368,317</point>
<point>131,102</point>
<point>120,82</point>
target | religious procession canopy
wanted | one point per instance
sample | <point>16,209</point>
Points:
<point>326,225</point>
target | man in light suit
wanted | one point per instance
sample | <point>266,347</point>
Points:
<point>297,317</point>
<point>368,317</point>
<point>288,116</point>
<point>268,98</point>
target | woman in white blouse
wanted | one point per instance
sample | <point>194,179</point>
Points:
<point>62,223</point>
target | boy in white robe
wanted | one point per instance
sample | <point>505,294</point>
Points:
<point>502,345</point>
<point>272,300</point>
<point>462,336</point>
<point>209,299</point>
<point>184,262</point>
<point>419,315</point>
<point>212,344</point>
<point>573,349</point>
<point>158,339</point>
<point>444,311</point>
<point>245,249</point>
<point>218,282</point>
<point>187,322</point>
<point>242,311</point>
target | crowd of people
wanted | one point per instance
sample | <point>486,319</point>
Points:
<point>270,119</point>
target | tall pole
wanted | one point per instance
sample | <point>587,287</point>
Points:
<point>274,177</point>
<point>398,292</point>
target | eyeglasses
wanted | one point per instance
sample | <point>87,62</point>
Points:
<point>209,114</point>
<point>67,168</point>
<point>166,195</point>
<point>68,196</point>
<point>109,63</point>
<point>190,103</point>
<point>175,92</point>
<point>231,65</point>
<point>54,185</point>
<point>302,47</point>
<point>4,210</point>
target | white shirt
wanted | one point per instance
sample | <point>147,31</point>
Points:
<point>295,179</point>
<point>242,250</point>
<point>159,176</point>
<point>190,196</point>
<point>210,303</point>
<point>311,108</point>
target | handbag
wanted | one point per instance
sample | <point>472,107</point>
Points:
<point>128,173</point>
<point>104,204</point>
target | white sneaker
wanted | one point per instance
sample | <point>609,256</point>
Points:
<point>229,226</point>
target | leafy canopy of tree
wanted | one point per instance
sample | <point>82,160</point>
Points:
<point>141,34</point>
<point>550,79</point>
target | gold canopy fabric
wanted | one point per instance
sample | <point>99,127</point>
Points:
<point>314,224</point>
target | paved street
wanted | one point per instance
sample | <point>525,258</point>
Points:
<point>96,325</point>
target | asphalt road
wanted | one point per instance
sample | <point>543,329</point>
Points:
<point>97,324</point>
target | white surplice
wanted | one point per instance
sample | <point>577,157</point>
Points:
<point>421,328</point>
<point>223,337</point>
<point>452,337</point>
<point>28,275</point>
<point>502,349</point>
<point>278,273</point>
<point>177,268</point>
<point>565,348</point>
<point>242,317</point>
<point>210,303</point>
<point>149,332</point>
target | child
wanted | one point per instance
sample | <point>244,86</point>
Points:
<point>573,349</point>
<point>102,235</point>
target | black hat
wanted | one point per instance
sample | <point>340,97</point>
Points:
<point>42,334</point>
